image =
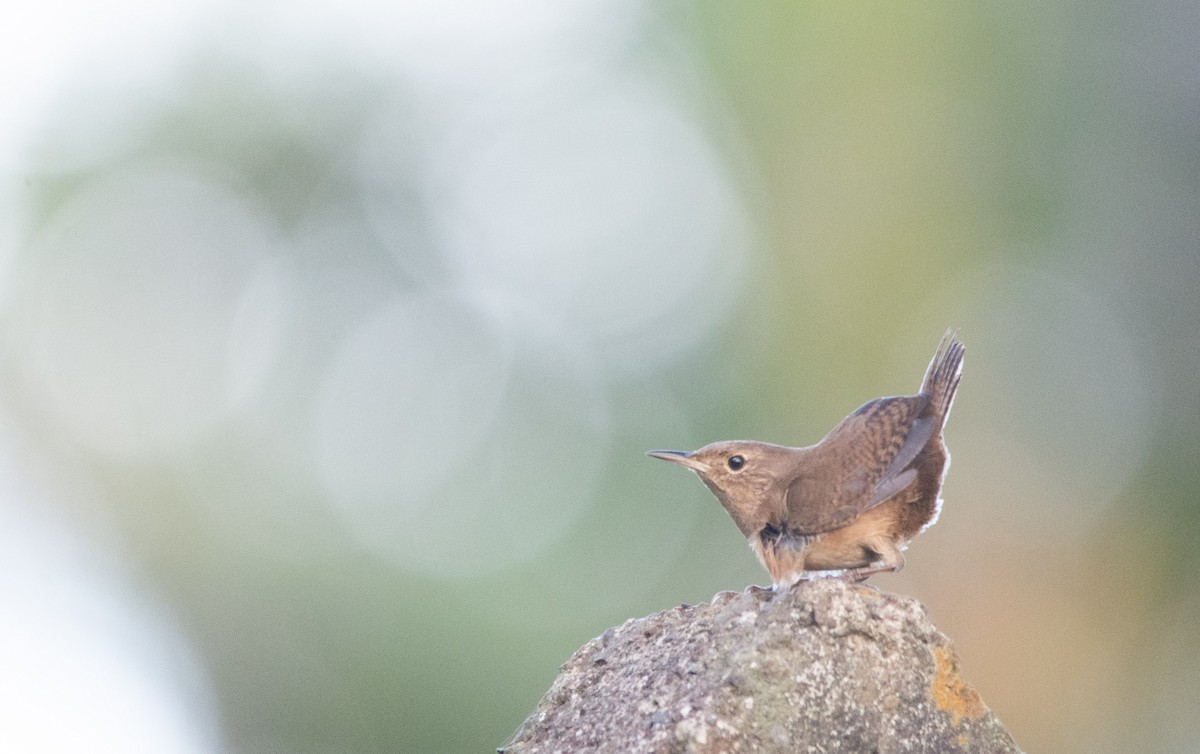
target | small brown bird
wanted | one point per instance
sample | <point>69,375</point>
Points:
<point>851,503</point>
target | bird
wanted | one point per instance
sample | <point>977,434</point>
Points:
<point>849,505</point>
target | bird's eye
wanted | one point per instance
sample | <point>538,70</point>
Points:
<point>736,463</point>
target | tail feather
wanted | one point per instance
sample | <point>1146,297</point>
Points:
<point>945,370</point>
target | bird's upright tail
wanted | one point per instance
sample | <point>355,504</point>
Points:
<point>941,379</point>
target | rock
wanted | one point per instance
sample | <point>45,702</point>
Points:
<point>826,666</point>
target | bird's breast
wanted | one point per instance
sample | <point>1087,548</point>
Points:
<point>782,552</point>
<point>778,535</point>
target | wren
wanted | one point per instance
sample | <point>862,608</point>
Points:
<point>849,505</point>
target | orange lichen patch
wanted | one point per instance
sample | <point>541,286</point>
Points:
<point>950,692</point>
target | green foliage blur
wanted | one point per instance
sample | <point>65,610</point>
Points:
<point>340,351</point>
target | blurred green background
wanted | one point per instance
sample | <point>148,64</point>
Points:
<point>333,334</point>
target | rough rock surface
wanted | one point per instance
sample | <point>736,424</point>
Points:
<point>826,666</point>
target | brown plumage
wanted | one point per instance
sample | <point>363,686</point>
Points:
<point>850,503</point>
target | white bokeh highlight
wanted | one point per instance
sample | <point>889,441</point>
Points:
<point>563,224</point>
<point>604,205</point>
<point>89,664</point>
<point>149,308</point>
<point>455,440</point>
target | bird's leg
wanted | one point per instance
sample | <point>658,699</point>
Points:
<point>891,559</point>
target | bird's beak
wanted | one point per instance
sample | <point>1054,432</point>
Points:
<point>683,458</point>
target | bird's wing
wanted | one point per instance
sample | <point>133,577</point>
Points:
<point>864,461</point>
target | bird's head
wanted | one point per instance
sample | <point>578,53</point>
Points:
<point>749,478</point>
